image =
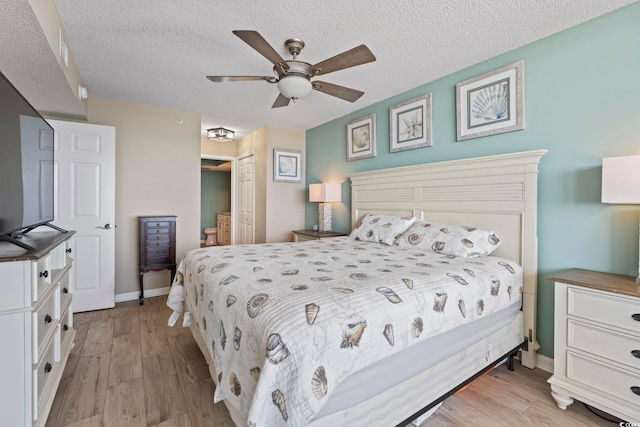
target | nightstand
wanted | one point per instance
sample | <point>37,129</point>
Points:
<point>597,342</point>
<point>302,235</point>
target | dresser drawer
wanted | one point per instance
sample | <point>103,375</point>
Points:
<point>604,342</point>
<point>600,376</point>
<point>159,260</point>
<point>45,319</point>
<point>162,239</point>
<point>604,308</point>
<point>42,377</point>
<point>158,230</point>
<point>40,276</point>
<point>66,326</point>
<point>158,224</point>
<point>160,250</point>
<point>65,291</point>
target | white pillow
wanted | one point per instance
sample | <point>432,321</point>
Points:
<point>383,229</point>
<point>449,239</point>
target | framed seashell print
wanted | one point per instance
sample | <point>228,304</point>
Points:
<point>361,138</point>
<point>287,165</point>
<point>410,124</point>
<point>491,103</point>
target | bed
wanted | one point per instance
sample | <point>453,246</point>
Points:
<point>352,332</point>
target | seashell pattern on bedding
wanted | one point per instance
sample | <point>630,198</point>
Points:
<point>282,334</point>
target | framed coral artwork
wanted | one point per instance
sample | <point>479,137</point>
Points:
<point>491,103</point>
<point>361,138</point>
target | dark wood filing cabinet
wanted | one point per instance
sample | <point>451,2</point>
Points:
<point>157,246</point>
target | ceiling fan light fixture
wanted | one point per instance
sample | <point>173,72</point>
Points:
<point>294,86</point>
<point>221,134</point>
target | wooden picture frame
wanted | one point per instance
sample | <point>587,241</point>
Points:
<point>287,165</point>
<point>492,103</point>
<point>361,138</point>
<point>410,124</point>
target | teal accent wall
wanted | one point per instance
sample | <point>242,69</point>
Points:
<point>215,194</point>
<point>582,103</point>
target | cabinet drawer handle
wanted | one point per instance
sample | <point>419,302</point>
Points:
<point>65,290</point>
<point>45,274</point>
<point>635,389</point>
<point>65,327</point>
<point>636,353</point>
<point>636,317</point>
<point>47,319</point>
<point>68,251</point>
<point>47,368</point>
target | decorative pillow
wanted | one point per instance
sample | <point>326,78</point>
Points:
<point>449,239</point>
<point>383,229</point>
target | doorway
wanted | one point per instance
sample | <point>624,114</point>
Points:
<point>218,191</point>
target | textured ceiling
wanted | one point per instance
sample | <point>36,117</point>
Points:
<point>158,52</point>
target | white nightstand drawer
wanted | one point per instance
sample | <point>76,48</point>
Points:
<point>604,307</point>
<point>42,376</point>
<point>606,378</point>
<point>44,322</point>
<point>604,342</point>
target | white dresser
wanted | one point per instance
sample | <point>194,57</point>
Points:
<point>597,342</point>
<point>36,325</point>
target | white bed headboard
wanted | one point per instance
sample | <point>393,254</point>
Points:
<point>498,193</point>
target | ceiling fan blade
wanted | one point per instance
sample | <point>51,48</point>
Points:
<point>341,92</point>
<point>356,56</point>
<point>218,79</point>
<point>281,101</point>
<point>256,41</point>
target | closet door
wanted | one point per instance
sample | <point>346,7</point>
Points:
<point>246,200</point>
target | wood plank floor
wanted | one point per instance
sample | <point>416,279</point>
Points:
<point>129,369</point>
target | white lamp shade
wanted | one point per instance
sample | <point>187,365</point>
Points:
<point>325,192</point>
<point>294,86</point>
<point>621,180</point>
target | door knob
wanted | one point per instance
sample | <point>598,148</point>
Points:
<point>107,226</point>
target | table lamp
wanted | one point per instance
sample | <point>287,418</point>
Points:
<point>621,184</point>
<point>325,194</point>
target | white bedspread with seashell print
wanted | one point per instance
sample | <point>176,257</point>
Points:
<point>286,322</point>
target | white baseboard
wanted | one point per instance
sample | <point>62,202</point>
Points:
<point>545,363</point>
<point>131,296</point>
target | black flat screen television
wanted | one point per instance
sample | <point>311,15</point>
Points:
<point>26,166</point>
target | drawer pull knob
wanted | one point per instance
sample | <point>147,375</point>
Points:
<point>635,389</point>
<point>68,251</point>
<point>47,319</point>
<point>45,274</point>
<point>65,327</point>
<point>636,353</point>
<point>65,290</point>
<point>47,368</point>
<point>636,317</point>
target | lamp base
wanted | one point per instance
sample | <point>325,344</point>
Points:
<point>324,216</point>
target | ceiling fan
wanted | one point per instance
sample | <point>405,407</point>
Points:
<point>293,76</point>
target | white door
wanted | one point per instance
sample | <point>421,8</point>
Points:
<point>85,202</point>
<point>246,178</point>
